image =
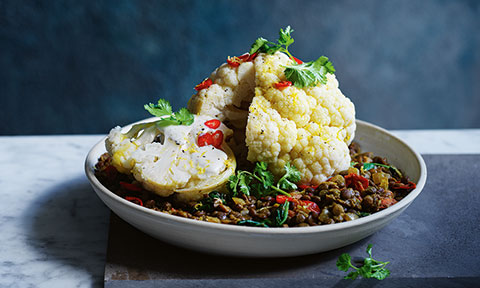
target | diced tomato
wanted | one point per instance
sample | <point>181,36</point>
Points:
<point>135,200</point>
<point>130,187</point>
<point>408,186</point>
<point>356,181</point>
<point>280,199</point>
<point>387,202</point>
<point>282,85</point>
<point>205,84</point>
<point>297,60</point>
<point>214,123</point>
<point>304,187</point>
<point>312,206</point>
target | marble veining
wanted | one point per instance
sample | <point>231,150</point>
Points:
<point>54,228</point>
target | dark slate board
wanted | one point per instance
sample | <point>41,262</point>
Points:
<point>434,243</point>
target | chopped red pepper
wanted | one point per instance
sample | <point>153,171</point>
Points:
<point>297,60</point>
<point>252,57</point>
<point>217,139</point>
<point>408,186</point>
<point>280,199</point>
<point>234,61</point>
<point>356,182</point>
<point>283,84</point>
<point>204,85</point>
<point>135,200</point>
<point>209,138</point>
<point>304,187</point>
<point>205,139</point>
<point>214,123</point>
<point>237,60</point>
<point>387,202</point>
<point>131,187</point>
<point>312,206</point>
<point>244,57</point>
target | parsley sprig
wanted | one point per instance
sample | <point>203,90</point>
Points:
<point>262,45</point>
<point>309,73</point>
<point>163,108</point>
<point>261,182</point>
<point>301,75</point>
<point>371,268</point>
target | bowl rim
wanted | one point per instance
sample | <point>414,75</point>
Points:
<point>92,158</point>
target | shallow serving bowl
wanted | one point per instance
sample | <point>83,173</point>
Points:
<point>270,242</point>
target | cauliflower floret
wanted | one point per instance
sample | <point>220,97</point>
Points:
<point>317,123</point>
<point>310,127</point>
<point>169,159</point>
<point>228,100</point>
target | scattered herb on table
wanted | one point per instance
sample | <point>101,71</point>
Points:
<point>371,268</point>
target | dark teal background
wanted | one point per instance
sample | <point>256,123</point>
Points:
<point>86,66</point>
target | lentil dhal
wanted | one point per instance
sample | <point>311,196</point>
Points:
<point>368,186</point>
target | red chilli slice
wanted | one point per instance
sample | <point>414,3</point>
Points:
<point>234,61</point>
<point>297,60</point>
<point>282,85</point>
<point>214,123</point>
<point>205,84</point>
<point>135,200</point>
<point>217,139</point>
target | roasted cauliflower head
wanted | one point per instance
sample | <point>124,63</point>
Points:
<point>189,160</point>
<point>310,127</point>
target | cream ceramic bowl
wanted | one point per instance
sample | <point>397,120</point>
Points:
<point>270,242</point>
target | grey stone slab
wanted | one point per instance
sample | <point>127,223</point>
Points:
<point>432,244</point>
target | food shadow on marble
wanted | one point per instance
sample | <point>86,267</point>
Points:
<point>69,224</point>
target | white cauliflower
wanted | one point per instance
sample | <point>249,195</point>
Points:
<point>228,99</point>
<point>171,159</point>
<point>310,127</point>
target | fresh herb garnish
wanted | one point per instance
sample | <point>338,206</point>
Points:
<point>371,268</point>
<point>282,213</point>
<point>301,75</point>
<point>252,223</point>
<point>309,73</point>
<point>163,108</point>
<point>292,176</point>
<point>368,166</point>
<point>262,45</point>
<point>208,203</point>
<point>261,181</point>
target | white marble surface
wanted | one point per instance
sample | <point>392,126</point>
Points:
<point>54,228</point>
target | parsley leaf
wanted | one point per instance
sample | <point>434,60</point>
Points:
<point>309,73</point>
<point>160,109</point>
<point>261,182</point>
<point>368,166</point>
<point>371,268</point>
<point>262,45</point>
<point>292,176</point>
<point>163,108</point>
